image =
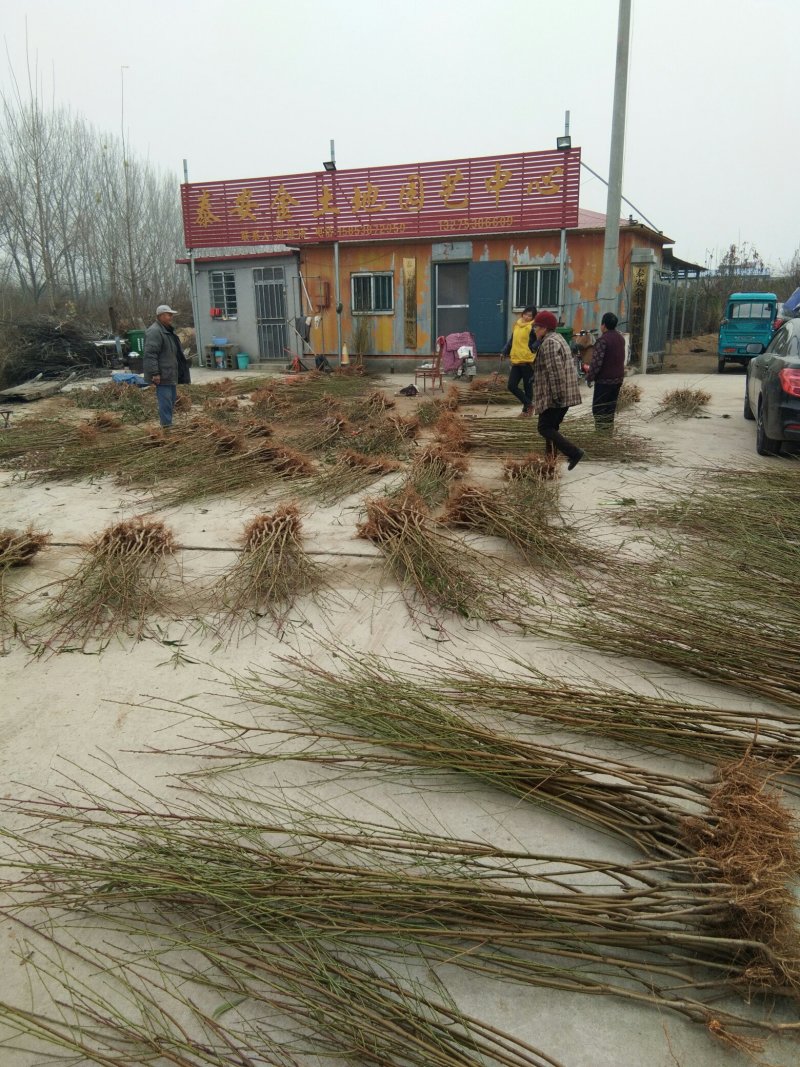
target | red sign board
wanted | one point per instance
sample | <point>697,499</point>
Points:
<point>457,197</point>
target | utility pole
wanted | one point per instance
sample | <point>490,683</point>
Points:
<point>337,291</point>
<point>562,253</point>
<point>607,296</point>
<point>128,227</point>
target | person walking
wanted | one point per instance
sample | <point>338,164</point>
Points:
<point>607,371</point>
<point>164,364</point>
<point>521,349</point>
<point>556,387</point>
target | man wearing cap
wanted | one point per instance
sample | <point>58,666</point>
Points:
<point>165,365</point>
<point>555,387</point>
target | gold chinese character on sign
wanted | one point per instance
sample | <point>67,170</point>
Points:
<point>547,185</point>
<point>449,183</point>
<point>367,199</point>
<point>498,181</point>
<point>205,216</point>
<point>326,205</point>
<point>284,202</point>
<point>244,205</point>
<point>412,193</point>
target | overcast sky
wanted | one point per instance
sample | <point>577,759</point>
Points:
<point>249,88</point>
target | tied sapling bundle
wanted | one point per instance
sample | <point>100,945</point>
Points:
<point>17,549</point>
<point>735,827</point>
<point>216,875</point>
<point>349,473</point>
<point>435,571</point>
<point>272,571</point>
<point>120,583</point>
<point>433,470</point>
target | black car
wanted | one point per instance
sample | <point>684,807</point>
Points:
<point>772,391</point>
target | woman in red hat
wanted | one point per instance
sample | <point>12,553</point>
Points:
<point>555,387</point>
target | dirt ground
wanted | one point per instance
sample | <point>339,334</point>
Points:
<point>694,355</point>
<point>66,718</point>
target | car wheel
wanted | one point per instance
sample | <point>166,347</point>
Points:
<point>765,446</point>
<point>748,411</point>
<point>720,366</point>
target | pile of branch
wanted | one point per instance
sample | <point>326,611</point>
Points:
<point>438,572</point>
<point>735,828</point>
<point>17,549</point>
<point>526,515</point>
<point>271,573</point>
<point>132,404</point>
<point>499,436</point>
<point>433,471</point>
<point>347,473</point>
<point>46,346</point>
<point>490,390</point>
<point>239,926</point>
<point>121,582</point>
<point>685,403</point>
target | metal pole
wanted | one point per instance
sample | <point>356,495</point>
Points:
<point>337,299</point>
<point>694,306</point>
<point>647,309</point>
<point>607,296</point>
<point>685,295</point>
<point>337,294</point>
<point>562,255</point>
<point>198,336</point>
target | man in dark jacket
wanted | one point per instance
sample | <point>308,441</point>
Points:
<point>607,372</point>
<point>165,365</point>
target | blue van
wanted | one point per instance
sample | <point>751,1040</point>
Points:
<point>747,327</point>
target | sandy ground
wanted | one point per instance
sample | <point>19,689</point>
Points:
<point>88,719</point>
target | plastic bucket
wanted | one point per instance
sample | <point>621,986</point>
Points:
<point>242,361</point>
<point>219,359</point>
<point>136,341</point>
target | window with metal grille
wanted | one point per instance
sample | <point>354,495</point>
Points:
<point>222,291</point>
<point>372,294</point>
<point>536,286</point>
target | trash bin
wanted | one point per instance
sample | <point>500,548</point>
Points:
<point>242,360</point>
<point>566,333</point>
<point>219,359</point>
<point>136,341</point>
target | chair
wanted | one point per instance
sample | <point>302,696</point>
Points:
<point>433,373</point>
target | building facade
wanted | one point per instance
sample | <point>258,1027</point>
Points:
<point>403,251</point>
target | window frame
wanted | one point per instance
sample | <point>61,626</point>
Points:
<point>371,275</point>
<point>230,297</point>
<point>536,301</point>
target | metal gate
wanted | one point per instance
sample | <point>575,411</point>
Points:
<point>659,322</point>
<point>270,294</point>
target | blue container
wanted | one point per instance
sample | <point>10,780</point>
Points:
<point>242,360</point>
<point>219,359</point>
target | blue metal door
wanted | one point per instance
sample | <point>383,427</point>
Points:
<point>487,305</point>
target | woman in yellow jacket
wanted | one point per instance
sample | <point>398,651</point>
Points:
<point>521,349</point>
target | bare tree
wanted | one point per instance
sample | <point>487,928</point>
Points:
<point>81,221</point>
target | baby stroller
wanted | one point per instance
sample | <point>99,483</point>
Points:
<point>459,355</point>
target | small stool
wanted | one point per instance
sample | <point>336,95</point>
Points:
<point>6,413</point>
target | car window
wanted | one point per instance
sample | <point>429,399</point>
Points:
<point>752,309</point>
<point>779,342</point>
<point>793,348</point>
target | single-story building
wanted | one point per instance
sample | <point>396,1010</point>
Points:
<point>403,249</point>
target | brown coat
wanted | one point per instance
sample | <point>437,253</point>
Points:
<point>555,380</point>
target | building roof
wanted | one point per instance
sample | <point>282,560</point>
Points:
<point>672,262</point>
